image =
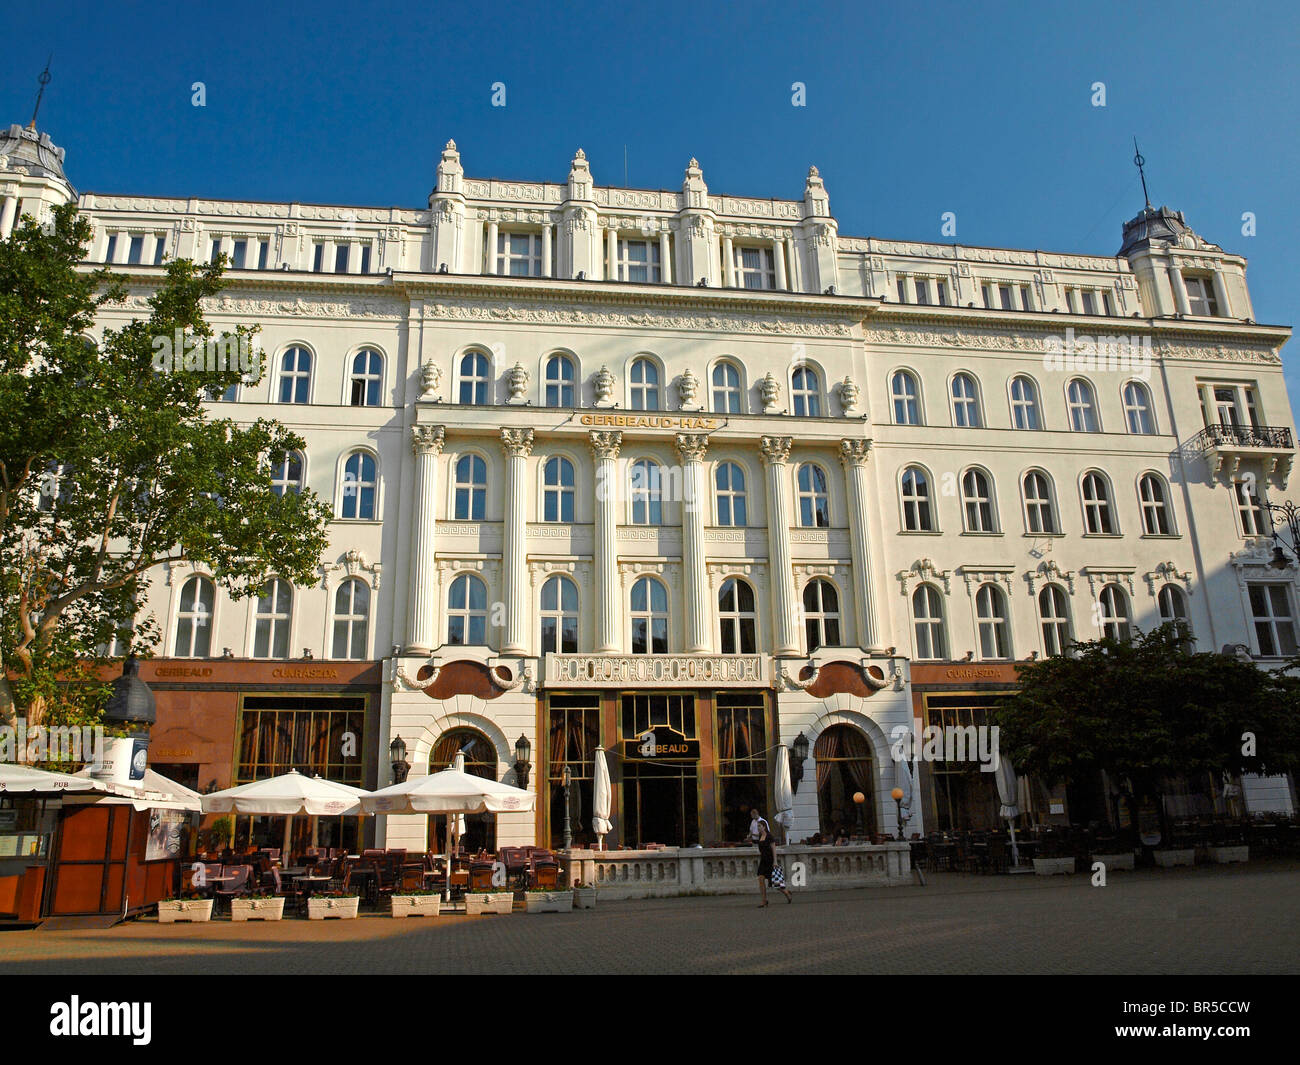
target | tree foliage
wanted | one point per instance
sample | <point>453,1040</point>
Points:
<point>110,466</point>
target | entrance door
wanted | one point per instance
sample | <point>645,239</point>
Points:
<point>844,769</point>
<point>661,803</point>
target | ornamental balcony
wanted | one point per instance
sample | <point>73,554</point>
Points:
<point>1227,447</point>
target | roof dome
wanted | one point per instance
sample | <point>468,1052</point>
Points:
<point>132,701</point>
<point>24,150</point>
<point>1161,224</point>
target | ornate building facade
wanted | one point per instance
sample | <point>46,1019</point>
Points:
<point>606,462</point>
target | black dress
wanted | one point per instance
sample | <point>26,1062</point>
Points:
<point>766,857</point>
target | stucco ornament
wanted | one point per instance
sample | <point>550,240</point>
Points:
<point>688,387</point>
<point>769,390</point>
<point>430,378</point>
<point>517,384</point>
<point>849,394</point>
<point>604,382</point>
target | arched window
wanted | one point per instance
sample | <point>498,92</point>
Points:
<point>1114,612</point>
<point>1154,500</point>
<point>649,617</point>
<point>194,619</point>
<point>736,618</point>
<point>729,486</point>
<point>1040,514</point>
<point>475,378</point>
<point>726,389</point>
<point>647,493</point>
<point>286,473</point>
<point>367,378</point>
<point>1137,409</point>
<point>927,615</point>
<point>977,501</point>
<point>917,513</point>
<point>805,392</point>
<point>1024,404</point>
<point>821,614</point>
<point>845,768</point>
<point>467,611</point>
<point>1054,611</point>
<point>352,619</point>
<point>359,486</point>
<point>274,614</point>
<point>1082,405</point>
<point>480,756</point>
<point>559,616</point>
<point>1098,514</point>
<point>906,397</point>
<point>991,614</point>
<point>470,488</point>
<point>295,376</point>
<point>1173,605</point>
<point>645,384</point>
<point>965,402</point>
<point>814,497</point>
<point>557,489</point>
<point>560,378</point>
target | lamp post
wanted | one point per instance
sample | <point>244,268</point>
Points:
<point>397,758</point>
<point>798,754</point>
<point>523,760</point>
<point>1289,515</point>
<point>568,828</point>
<point>859,799</point>
<point>897,796</point>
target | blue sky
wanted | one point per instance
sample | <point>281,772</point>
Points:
<point>984,110</point>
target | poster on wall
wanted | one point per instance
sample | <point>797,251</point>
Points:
<point>165,828</point>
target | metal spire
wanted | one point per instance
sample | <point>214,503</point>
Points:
<point>1139,162</point>
<point>44,79</point>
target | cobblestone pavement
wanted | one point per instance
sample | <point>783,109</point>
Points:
<point>1213,920</point>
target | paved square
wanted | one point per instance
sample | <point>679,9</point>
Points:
<point>1212,920</point>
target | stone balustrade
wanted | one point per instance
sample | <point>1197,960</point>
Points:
<point>628,874</point>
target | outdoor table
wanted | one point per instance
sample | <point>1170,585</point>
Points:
<point>306,888</point>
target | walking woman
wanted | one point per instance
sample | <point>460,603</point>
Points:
<point>767,866</point>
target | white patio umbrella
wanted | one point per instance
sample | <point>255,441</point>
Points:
<point>16,779</point>
<point>286,796</point>
<point>601,799</point>
<point>1008,796</point>
<point>451,791</point>
<point>903,780</point>
<point>784,793</point>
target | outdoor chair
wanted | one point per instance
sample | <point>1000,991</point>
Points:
<point>543,873</point>
<point>480,876</point>
<point>412,878</point>
<point>238,886</point>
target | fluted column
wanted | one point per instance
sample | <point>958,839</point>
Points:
<point>547,230</point>
<point>490,265</point>
<point>1180,290</point>
<point>1221,293</point>
<point>665,258</point>
<point>854,455</point>
<point>728,264</point>
<point>611,252</point>
<point>785,634</point>
<point>426,442</point>
<point>604,449</point>
<point>778,260</point>
<point>518,445</point>
<point>695,580</point>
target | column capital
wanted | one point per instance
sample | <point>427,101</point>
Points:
<point>517,442</point>
<point>855,452</point>
<point>605,443</point>
<point>428,439</point>
<point>692,446</point>
<point>775,449</point>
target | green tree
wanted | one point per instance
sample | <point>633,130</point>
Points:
<point>1147,709</point>
<point>110,465</point>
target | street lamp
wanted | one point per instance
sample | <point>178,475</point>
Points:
<point>567,780</point>
<point>798,753</point>
<point>859,799</point>
<point>397,758</point>
<point>897,796</point>
<point>1290,515</point>
<point>523,760</point>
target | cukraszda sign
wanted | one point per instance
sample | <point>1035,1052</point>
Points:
<point>656,671</point>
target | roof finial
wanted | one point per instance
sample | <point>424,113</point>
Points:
<point>44,79</point>
<point>1139,162</point>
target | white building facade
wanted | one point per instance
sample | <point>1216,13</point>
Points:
<point>611,461</point>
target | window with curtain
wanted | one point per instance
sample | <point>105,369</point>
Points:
<point>742,760</point>
<point>573,734</point>
<point>845,767</point>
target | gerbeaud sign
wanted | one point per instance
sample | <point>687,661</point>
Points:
<point>656,671</point>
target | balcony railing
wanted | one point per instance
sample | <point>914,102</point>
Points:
<point>1277,438</point>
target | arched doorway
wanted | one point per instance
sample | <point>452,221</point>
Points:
<point>844,766</point>
<point>480,761</point>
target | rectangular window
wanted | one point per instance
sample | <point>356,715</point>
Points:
<point>1089,303</point>
<point>902,289</point>
<point>988,296</point>
<point>111,249</point>
<point>1004,298</point>
<point>742,759</point>
<point>365,258</point>
<point>239,255</point>
<point>318,258</point>
<point>1254,520</point>
<point>306,733</point>
<point>1070,302</point>
<point>216,250</point>
<point>1274,623</point>
<point>159,246</point>
<point>341,259</point>
<point>922,290</point>
<point>755,268</point>
<point>519,254</point>
<point>1200,296</point>
<point>942,288</point>
<point>573,734</point>
<point>638,260</point>
<point>1026,304</point>
<point>135,254</point>
<point>263,252</point>
<point>1107,306</point>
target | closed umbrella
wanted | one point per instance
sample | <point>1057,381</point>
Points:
<point>1009,797</point>
<point>784,793</point>
<point>601,798</point>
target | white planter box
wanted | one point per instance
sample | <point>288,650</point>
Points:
<point>1168,859</point>
<point>318,909</point>
<point>491,902</point>
<point>549,901</point>
<point>1115,861</point>
<point>584,898</point>
<point>267,909</point>
<point>173,910</point>
<point>1053,866</point>
<point>1224,855</point>
<point>417,905</point>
